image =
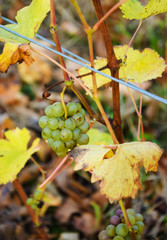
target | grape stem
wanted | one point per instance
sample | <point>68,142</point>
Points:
<point>62,101</point>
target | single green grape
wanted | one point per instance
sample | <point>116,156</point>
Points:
<point>83,139</point>
<point>70,124</point>
<point>61,124</point>
<point>44,137</point>
<point>71,144</point>
<point>50,142</point>
<point>66,135</point>
<point>58,110</point>
<point>47,132</point>
<point>49,111</point>
<point>78,118</point>
<point>43,121</point>
<point>30,201</point>
<point>58,146</point>
<point>38,194</point>
<point>71,108</point>
<point>84,127</point>
<point>62,153</point>
<point>53,123</point>
<point>79,107</point>
<point>131,219</point>
<point>135,228</point>
<point>140,226</point>
<point>80,123</point>
<point>56,135</point>
<point>111,231</point>
<point>103,235</point>
<point>76,133</point>
<point>128,237</point>
<point>34,206</point>
<point>139,217</point>
<point>122,230</point>
<point>118,238</point>
<point>83,112</point>
<point>131,211</point>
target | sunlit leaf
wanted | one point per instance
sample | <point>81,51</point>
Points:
<point>133,9</point>
<point>137,67</point>
<point>101,137</point>
<point>120,174</point>
<point>29,20</point>
<point>14,153</point>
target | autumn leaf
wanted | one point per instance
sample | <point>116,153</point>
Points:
<point>28,24</point>
<point>137,67</point>
<point>133,9</point>
<point>120,174</point>
<point>14,153</point>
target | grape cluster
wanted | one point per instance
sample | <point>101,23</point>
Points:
<point>36,200</point>
<point>118,230</point>
<point>64,134</point>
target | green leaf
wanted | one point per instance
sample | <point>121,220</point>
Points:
<point>101,137</point>
<point>14,153</point>
<point>29,20</point>
<point>133,9</point>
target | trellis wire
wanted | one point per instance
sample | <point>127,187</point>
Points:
<point>160,99</point>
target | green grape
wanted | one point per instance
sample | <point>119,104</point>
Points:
<point>38,194</point>
<point>131,219</point>
<point>58,146</point>
<point>83,139</point>
<point>30,201</point>
<point>103,235</point>
<point>131,211</point>
<point>83,112</point>
<point>118,238</point>
<point>122,230</point>
<point>70,124</point>
<point>78,118</point>
<point>111,230</point>
<point>80,123</point>
<point>47,132</point>
<point>71,144</point>
<point>58,110</point>
<point>56,135</point>
<point>140,226</point>
<point>61,124</point>
<point>79,107</point>
<point>76,133</point>
<point>43,121</point>
<point>66,135</point>
<point>135,228</point>
<point>139,217</point>
<point>34,206</point>
<point>62,153</point>
<point>50,142</point>
<point>53,123</point>
<point>49,111</point>
<point>71,108</point>
<point>84,127</point>
<point>44,137</point>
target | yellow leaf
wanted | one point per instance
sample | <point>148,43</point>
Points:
<point>133,9</point>
<point>14,153</point>
<point>84,153</point>
<point>13,53</point>
<point>101,137</point>
<point>139,66</point>
<point>100,80</point>
<point>120,174</point>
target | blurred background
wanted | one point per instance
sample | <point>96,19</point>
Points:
<point>75,205</point>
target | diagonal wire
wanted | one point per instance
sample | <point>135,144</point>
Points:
<point>52,43</point>
<point>160,99</point>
